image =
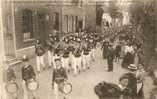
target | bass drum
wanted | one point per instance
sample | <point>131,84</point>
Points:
<point>11,87</point>
<point>66,88</point>
<point>32,85</point>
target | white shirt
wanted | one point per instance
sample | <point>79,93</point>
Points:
<point>139,86</point>
<point>129,49</point>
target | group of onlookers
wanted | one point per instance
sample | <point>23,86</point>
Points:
<point>124,48</point>
<point>127,50</point>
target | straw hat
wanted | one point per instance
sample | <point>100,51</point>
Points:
<point>132,67</point>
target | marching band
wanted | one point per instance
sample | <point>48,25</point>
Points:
<point>39,51</point>
<point>73,53</point>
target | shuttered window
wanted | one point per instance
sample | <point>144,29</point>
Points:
<point>27,17</point>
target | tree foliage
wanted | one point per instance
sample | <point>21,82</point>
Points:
<point>113,10</point>
<point>144,15</point>
<point>99,13</point>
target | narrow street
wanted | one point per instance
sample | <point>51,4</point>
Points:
<point>83,84</point>
<point>31,31</point>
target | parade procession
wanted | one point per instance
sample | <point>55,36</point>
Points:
<point>78,49</point>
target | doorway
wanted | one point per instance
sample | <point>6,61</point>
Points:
<point>42,27</point>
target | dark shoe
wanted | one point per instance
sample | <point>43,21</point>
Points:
<point>110,70</point>
<point>64,98</point>
<point>79,71</point>
<point>34,98</point>
<point>43,68</point>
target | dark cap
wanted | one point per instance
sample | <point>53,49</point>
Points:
<point>57,59</point>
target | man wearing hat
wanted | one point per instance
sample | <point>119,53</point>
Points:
<point>28,74</point>
<point>110,58</point>
<point>86,58</point>
<point>140,75</point>
<point>77,61</point>
<point>39,51</point>
<point>125,91</point>
<point>50,50</point>
<point>132,80</point>
<point>59,76</point>
<point>104,49</point>
<point>56,55</point>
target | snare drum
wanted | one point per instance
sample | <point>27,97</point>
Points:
<point>66,88</point>
<point>11,87</point>
<point>32,85</point>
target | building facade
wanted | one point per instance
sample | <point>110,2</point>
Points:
<point>24,21</point>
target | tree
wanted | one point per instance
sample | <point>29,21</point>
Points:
<point>114,10</point>
<point>99,13</point>
<point>144,15</point>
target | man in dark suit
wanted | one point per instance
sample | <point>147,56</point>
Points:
<point>110,58</point>
<point>132,83</point>
<point>105,49</point>
<point>39,51</point>
<point>125,91</point>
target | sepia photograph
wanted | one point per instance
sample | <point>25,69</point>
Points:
<point>78,49</point>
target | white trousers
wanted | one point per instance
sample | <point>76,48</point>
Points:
<point>57,93</point>
<point>92,54</point>
<point>27,94</point>
<point>86,61</point>
<point>50,57</point>
<point>40,62</point>
<point>77,64</point>
<point>65,63</point>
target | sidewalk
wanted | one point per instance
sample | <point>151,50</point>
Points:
<point>17,68</point>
